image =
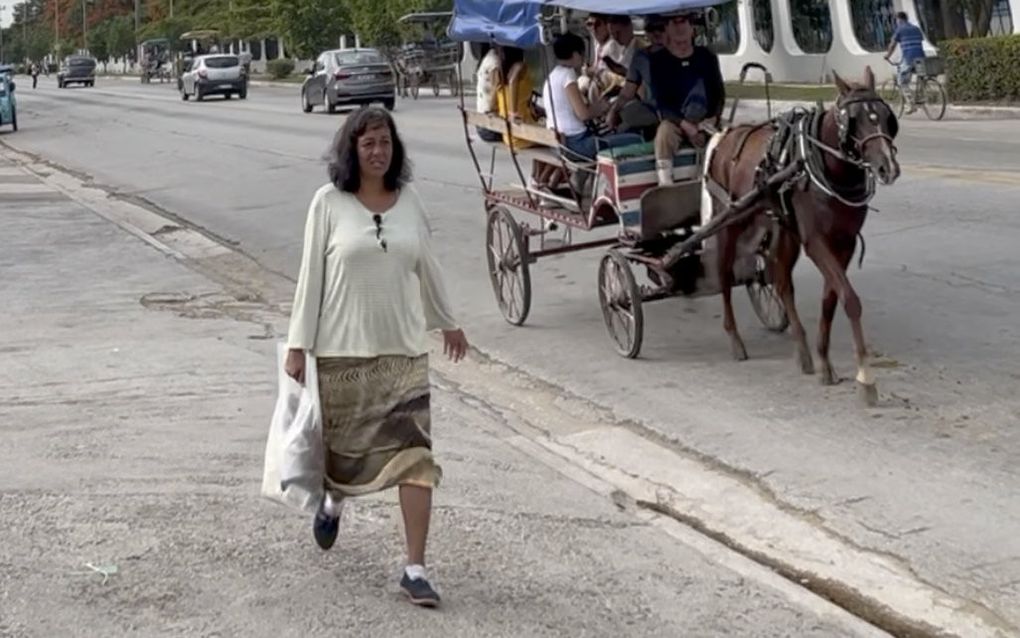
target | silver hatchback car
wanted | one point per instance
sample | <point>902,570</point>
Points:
<point>215,74</point>
<point>349,76</point>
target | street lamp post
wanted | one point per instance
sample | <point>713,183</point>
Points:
<point>84,28</point>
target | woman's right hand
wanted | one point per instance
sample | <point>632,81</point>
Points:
<point>295,365</point>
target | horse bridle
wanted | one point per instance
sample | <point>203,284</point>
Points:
<point>850,145</point>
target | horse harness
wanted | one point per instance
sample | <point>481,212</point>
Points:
<point>796,141</point>
<point>795,160</point>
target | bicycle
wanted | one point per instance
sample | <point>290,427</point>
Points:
<point>928,92</point>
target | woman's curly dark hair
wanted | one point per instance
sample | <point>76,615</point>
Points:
<point>344,170</point>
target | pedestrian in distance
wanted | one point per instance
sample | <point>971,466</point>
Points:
<point>368,291</point>
<point>34,70</point>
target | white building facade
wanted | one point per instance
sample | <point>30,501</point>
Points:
<point>805,40</point>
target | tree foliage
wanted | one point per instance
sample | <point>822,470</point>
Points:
<point>376,24</point>
<point>310,26</point>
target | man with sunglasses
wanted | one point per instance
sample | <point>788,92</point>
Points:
<point>689,92</point>
<point>596,74</point>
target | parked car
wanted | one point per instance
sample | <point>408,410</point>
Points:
<point>213,74</point>
<point>349,76</point>
<point>8,106</point>
<point>77,69</point>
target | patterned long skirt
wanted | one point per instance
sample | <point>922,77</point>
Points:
<point>376,424</point>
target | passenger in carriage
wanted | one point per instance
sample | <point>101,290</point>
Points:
<point>621,30</point>
<point>635,110</point>
<point>596,77</point>
<point>567,112</point>
<point>487,82</point>
<point>689,93</point>
<point>513,98</point>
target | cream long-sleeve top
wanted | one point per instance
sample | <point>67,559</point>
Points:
<point>354,299</point>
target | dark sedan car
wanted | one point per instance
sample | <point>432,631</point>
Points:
<point>349,76</point>
<point>77,69</point>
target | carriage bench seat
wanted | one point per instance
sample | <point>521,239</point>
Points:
<point>628,172</point>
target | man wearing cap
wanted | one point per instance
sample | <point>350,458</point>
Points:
<point>689,92</point>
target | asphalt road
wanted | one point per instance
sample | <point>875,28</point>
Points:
<point>929,477</point>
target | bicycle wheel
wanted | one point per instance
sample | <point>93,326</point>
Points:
<point>892,96</point>
<point>933,97</point>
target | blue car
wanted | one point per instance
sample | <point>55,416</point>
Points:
<point>8,107</point>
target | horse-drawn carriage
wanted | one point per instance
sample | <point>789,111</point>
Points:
<point>736,213</point>
<point>156,60</point>
<point>430,60</point>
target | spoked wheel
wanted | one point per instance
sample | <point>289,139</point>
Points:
<point>934,97</point>
<point>508,266</point>
<point>620,298</point>
<point>764,299</point>
<point>893,97</point>
<point>435,87</point>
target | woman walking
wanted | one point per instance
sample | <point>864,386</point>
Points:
<point>369,289</point>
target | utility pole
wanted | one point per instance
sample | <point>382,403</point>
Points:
<point>84,28</point>
<point>171,9</point>
<point>2,9</point>
<point>56,31</point>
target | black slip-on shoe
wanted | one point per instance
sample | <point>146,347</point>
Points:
<point>325,528</point>
<point>419,591</point>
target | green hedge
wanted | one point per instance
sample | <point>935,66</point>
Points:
<point>983,69</point>
<point>279,69</point>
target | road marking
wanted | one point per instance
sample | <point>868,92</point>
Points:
<point>24,189</point>
<point>981,175</point>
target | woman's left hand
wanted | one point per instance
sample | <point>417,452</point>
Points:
<point>455,344</point>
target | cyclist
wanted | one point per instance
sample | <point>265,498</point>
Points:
<point>911,42</point>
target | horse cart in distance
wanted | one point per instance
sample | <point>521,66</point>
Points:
<point>156,60</point>
<point>431,60</point>
<point>619,189</point>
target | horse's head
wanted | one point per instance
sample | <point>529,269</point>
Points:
<point>867,127</point>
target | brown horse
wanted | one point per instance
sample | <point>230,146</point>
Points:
<point>835,156</point>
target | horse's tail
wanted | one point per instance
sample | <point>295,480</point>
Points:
<point>706,196</point>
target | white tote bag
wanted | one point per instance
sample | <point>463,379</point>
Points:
<point>295,461</point>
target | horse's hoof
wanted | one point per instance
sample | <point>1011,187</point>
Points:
<point>739,351</point>
<point>807,364</point>
<point>868,394</point>
<point>828,376</point>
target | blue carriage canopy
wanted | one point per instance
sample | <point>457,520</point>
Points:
<point>518,23</point>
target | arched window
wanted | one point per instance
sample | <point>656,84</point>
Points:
<point>874,23</point>
<point>761,12</point>
<point>725,37</point>
<point>812,25</point>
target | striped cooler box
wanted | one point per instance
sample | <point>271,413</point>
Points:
<point>625,174</point>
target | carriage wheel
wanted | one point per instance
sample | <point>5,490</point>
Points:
<point>414,89</point>
<point>508,265</point>
<point>620,299</point>
<point>764,299</point>
<point>435,86</point>
<point>454,85</point>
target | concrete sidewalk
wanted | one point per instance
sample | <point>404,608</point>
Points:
<point>134,403</point>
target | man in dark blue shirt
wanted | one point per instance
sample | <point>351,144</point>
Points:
<point>689,91</point>
<point>911,42</point>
